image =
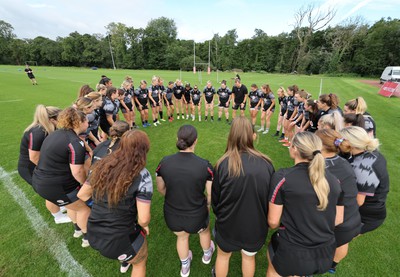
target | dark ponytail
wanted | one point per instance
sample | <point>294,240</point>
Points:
<point>187,135</point>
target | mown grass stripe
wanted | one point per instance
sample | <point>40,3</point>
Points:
<point>53,243</point>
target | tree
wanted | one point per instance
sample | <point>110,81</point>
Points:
<point>6,37</point>
<point>314,19</point>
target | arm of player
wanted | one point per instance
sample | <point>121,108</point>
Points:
<point>274,215</point>
<point>339,215</point>
<point>34,156</point>
<point>161,185</point>
<point>144,215</point>
<point>360,199</point>
<point>208,190</point>
<point>85,192</point>
<point>79,172</point>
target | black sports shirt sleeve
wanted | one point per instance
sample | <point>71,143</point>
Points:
<point>145,190</point>
<point>215,191</point>
<point>158,169</point>
<point>210,172</point>
<point>36,138</point>
<point>76,152</point>
<point>276,194</point>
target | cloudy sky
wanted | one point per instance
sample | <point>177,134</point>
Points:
<point>197,20</point>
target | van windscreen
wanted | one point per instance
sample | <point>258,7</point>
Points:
<point>396,72</point>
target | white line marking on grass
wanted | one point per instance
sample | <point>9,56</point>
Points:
<point>8,101</point>
<point>51,239</point>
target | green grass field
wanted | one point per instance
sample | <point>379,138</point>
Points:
<point>24,253</point>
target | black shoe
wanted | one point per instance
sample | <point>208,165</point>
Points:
<point>219,119</point>
<point>276,135</point>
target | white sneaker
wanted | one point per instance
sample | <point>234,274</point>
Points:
<point>77,234</point>
<point>260,130</point>
<point>265,132</point>
<point>206,259</point>
<point>162,119</point>
<point>187,117</point>
<point>62,219</point>
<point>199,118</point>
<point>178,117</point>
<point>193,118</point>
<point>85,243</point>
<point>158,122</point>
<point>155,124</point>
<point>124,267</point>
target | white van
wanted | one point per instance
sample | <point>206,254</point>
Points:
<point>391,73</point>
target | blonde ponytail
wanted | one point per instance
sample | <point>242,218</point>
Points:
<point>309,147</point>
<point>42,118</point>
<point>359,138</point>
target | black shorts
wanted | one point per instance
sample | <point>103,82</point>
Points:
<point>290,259</point>
<point>130,107</point>
<point>222,104</point>
<point>189,224</point>
<point>196,103</point>
<point>229,247</point>
<point>368,226</point>
<point>105,126</point>
<point>144,106</point>
<point>56,194</point>
<point>169,101</point>
<point>178,96</point>
<point>209,101</point>
<point>289,114</point>
<point>282,112</point>
<point>157,104</point>
<point>253,106</point>
<point>236,106</point>
<point>188,101</point>
<point>266,107</point>
<point>345,236</point>
<point>122,248</point>
<point>31,76</point>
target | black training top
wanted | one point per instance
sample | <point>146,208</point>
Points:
<point>372,181</point>
<point>142,95</point>
<point>102,150</point>
<point>185,176</point>
<point>196,94</point>
<point>240,204</point>
<point>168,93</point>
<point>60,149</point>
<point>283,103</point>
<point>178,91</point>
<point>31,140</point>
<point>224,94</point>
<point>209,94</point>
<point>268,97</point>
<point>111,223</point>
<point>186,94</point>
<point>155,93</point>
<point>29,72</point>
<point>343,171</point>
<point>301,222</point>
<point>292,103</point>
<point>239,93</point>
<point>255,96</point>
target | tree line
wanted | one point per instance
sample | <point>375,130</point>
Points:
<point>312,47</point>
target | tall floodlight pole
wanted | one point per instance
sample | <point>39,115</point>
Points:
<point>194,57</point>
<point>111,52</point>
<point>209,54</point>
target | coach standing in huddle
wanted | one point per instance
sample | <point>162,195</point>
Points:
<point>239,92</point>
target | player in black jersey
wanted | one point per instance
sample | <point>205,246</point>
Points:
<point>310,115</point>
<point>301,97</point>
<point>93,138</point>
<point>178,93</point>
<point>168,95</point>
<point>332,144</point>
<point>282,100</point>
<point>209,93</point>
<point>182,178</point>
<point>305,203</point>
<point>162,91</point>
<point>127,105</point>
<point>44,123</point>
<point>372,176</point>
<point>154,99</point>
<point>291,113</point>
<point>122,192</point>
<point>224,98</point>
<point>240,198</point>
<point>268,108</point>
<point>195,97</point>
<point>239,92</point>
<point>107,147</point>
<point>29,72</point>
<point>187,102</point>
<point>109,110</point>
<point>63,166</point>
<point>359,106</point>
<point>255,98</point>
<point>141,96</point>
